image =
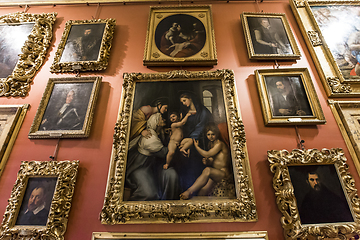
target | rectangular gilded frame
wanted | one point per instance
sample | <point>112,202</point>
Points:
<point>180,36</point>
<point>11,119</point>
<point>347,116</point>
<point>333,55</point>
<point>66,109</point>
<point>301,105</point>
<point>302,182</point>
<point>240,207</point>
<point>255,235</point>
<point>21,62</point>
<point>72,56</point>
<point>57,181</point>
<point>280,43</point>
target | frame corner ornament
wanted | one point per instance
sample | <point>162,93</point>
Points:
<point>314,38</point>
<point>337,86</point>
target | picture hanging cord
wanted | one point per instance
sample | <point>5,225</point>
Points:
<point>26,8</point>
<point>301,141</point>
<point>77,73</point>
<point>53,158</point>
<point>277,65</point>
<point>257,5</point>
<point>97,11</point>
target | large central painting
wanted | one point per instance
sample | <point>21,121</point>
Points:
<point>179,151</point>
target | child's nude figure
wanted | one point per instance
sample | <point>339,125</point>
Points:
<point>217,160</point>
<point>176,137</point>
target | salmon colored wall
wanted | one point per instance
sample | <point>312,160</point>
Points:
<point>126,56</point>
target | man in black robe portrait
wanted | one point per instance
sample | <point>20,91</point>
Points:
<point>321,205</point>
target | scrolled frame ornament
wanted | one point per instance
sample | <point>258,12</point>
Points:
<point>104,51</point>
<point>241,208</point>
<point>32,53</point>
<point>65,172</point>
<point>287,203</point>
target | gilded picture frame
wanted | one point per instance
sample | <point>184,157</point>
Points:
<point>180,36</point>
<point>300,106</point>
<point>122,203</point>
<point>84,46</point>
<point>20,60</point>
<point>333,55</point>
<point>347,114</point>
<point>11,119</point>
<point>66,109</point>
<point>302,179</point>
<point>253,235</point>
<point>268,36</point>
<point>53,184</point>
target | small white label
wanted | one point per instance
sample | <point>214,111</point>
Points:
<point>294,119</point>
<point>55,134</point>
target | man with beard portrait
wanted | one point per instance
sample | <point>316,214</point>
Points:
<point>85,47</point>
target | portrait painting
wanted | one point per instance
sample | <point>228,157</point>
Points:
<point>180,36</point>
<point>11,119</point>
<point>66,109</point>
<point>321,193</point>
<point>179,145</point>
<point>35,206</point>
<point>288,97</point>
<point>268,36</point>
<point>40,200</point>
<point>24,40</point>
<point>253,235</point>
<point>84,46</point>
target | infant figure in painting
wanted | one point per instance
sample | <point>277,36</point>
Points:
<point>176,135</point>
<point>217,161</point>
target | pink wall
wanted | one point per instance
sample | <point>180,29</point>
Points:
<point>126,56</point>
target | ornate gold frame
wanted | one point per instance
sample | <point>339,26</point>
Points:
<point>104,52</point>
<point>347,116</point>
<point>85,131</point>
<point>255,235</point>
<point>318,115</point>
<point>333,81</point>
<point>287,203</point>
<point>66,172</point>
<point>205,57</point>
<point>250,45</point>
<point>15,115</point>
<point>32,53</point>
<point>242,208</point>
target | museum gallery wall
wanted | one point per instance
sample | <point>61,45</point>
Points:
<point>94,152</point>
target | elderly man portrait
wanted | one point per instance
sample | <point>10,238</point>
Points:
<point>35,213</point>
<point>285,102</point>
<point>322,205</point>
<point>85,47</point>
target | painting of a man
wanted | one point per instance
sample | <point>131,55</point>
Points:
<point>35,209</point>
<point>67,107</point>
<point>83,43</point>
<point>287,96</point>
<point>269,36</point>
<point>320,200</point>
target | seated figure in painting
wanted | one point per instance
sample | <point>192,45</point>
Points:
<point>217,161</point>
